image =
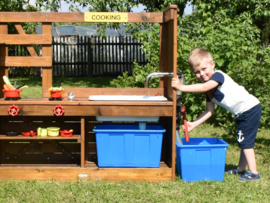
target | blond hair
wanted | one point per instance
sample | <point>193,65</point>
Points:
<point>197,55</point>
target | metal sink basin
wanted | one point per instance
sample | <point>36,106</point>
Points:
<point>143,98</point>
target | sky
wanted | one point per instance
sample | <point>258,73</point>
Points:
<point>65,6</point>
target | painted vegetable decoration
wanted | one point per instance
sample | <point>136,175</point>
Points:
<point>6,80</point>
<point>8,86</point>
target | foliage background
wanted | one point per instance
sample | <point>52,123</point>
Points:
<point>233,33</point>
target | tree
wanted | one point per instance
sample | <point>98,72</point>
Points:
<point>229,30</point>
<point>19,5</point>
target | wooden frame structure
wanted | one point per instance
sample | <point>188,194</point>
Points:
<point>73,158</point>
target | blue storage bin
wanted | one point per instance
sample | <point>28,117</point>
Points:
<point>128,146</point>
<point>201,159</point>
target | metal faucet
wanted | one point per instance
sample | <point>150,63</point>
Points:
<point>156,74</point>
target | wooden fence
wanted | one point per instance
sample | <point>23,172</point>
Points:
<point>79,56</point>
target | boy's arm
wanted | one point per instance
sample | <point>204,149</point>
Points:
<point>199,88</point>
<point>210,108</point>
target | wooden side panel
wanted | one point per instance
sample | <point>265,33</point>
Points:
<point>40,151</point>
<point>25,124</point>
<point>30,48</point>
<point>28,61</point>
<point>46,51</point>
<point>3,54</point>
<point>26,39</point>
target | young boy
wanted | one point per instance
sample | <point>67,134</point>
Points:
<point>220,89</point>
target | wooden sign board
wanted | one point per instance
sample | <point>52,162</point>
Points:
<point>112,17</point>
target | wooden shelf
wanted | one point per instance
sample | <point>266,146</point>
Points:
<point>91,164</point>
<point>40,165</point>
<point>21,137</point>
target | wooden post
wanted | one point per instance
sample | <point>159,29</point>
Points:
<point>46,51</point>
<point>3,54</point>
<point>168,63</point>
<point>83,142</point>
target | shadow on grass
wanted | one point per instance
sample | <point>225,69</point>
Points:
<point>229,167</point>
<point>259,141</point>
<point>83,81</point>
<point>30,81</point>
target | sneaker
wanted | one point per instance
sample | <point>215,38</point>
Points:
<point>249,176</point>
<point>235,172</point>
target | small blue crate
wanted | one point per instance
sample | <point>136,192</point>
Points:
<point>128,146</point>
<point>201,159</point>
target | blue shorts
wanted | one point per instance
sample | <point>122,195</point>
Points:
<point>248,123</point>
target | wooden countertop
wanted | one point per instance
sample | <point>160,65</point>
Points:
<point>84,107</point>
<point>82,101</point>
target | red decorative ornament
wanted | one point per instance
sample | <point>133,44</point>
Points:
<point>58,110</point>
<point>13,110</point>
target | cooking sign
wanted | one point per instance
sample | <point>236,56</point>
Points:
<point>105,17</point>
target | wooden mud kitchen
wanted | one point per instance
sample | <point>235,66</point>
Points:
<point>75,157</point>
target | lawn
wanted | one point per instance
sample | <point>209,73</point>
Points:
<point>229,190</point>
<point>34,84</point>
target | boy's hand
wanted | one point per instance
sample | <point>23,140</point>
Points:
<point>176,84</point>
<point>190,126</point>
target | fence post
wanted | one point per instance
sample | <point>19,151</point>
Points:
<point>90,56</point>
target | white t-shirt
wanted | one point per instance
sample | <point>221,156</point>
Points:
<point>230,95</point>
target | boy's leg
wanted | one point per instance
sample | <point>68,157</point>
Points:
<point>248,123</point>
<point>250,160</point>
<point>242,161</point>
<point>252,174</point>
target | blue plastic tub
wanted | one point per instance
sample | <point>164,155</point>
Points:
<point>201,159</point>
<point>128,146</point>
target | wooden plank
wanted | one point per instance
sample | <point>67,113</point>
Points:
<point>145,17</point>
<point>3,54</point>
<point>46,51</point>
<point>41,17</point>
<point>168,63</point>
<point>45,146</point>
<point>71,17</point>
<point>80,101</point>
<point>86,92</point>
<point>88,110</point>
<point>74,174</point>
<point>46,158</point>
<point>26,39</point>
<point>82,142</point>
<point>27,61</point>
<point>168,49</point>
<point>39,165</point>
<point>168,15</point>
<point>21,137</point>
<point>174,65</point>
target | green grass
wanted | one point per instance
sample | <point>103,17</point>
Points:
<point>228,190</point>
<point>34,84</point>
